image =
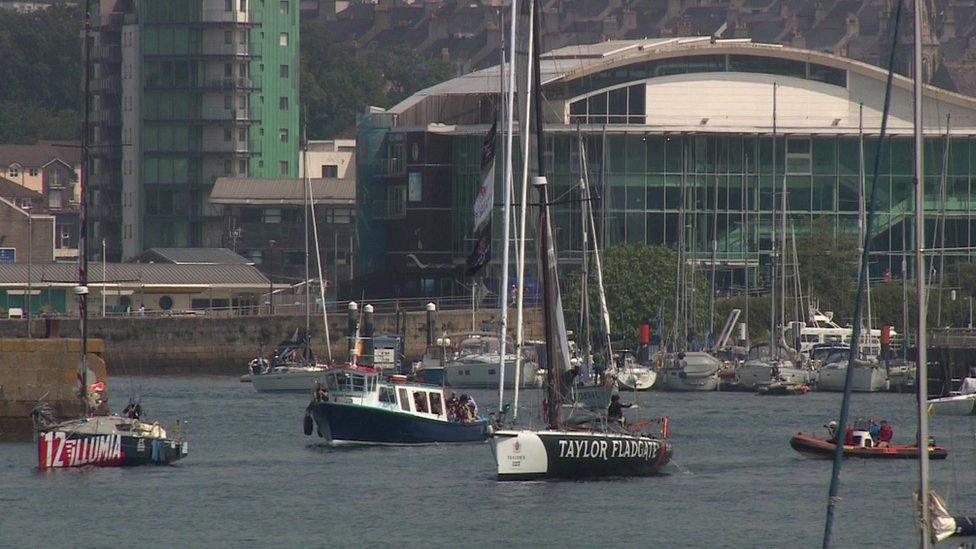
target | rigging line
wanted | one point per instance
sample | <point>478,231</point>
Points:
<point>862,275</point>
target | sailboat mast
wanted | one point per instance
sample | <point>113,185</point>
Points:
<point>782,251</point>
<point>318,256</point>
<point>862,210</point>
<point>305,208</point>
<point>921,364</point>
<point>548,267</point>
<point>508,109</point>
<point>773,347</point>
<point>524,130</point>
<point>82,290</point>
<point>584,320</point>
<point>598,263</point>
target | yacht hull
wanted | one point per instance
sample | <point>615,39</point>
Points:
<point>63,449</point>
<point>637,379</point>
<point>294,381</point>
<point>960,405</point>
<point>866,379</point>
<point>570,455</point>
<point>478,374</point>
<point>752,374</point>
<point>369,425</point>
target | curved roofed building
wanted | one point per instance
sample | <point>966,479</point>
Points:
<point>670,126</point>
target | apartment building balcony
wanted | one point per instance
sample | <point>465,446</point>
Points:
<point>233,146</point>
<point>227,17</point>
<point>107,52</point>
<point>238,116</point>
<point>390,167</point>
<point>222,49</point>
<point>231,83</point>
<point>106,84</point>
<point>106,117</point>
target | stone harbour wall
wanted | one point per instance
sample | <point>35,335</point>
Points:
<point>187,345</point>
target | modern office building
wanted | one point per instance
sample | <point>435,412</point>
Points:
<point>671,127</point>
<point>185,92</point>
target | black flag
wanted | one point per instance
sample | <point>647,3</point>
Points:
<point>483,204</point>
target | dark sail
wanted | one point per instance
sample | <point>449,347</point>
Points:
<point>483,203</point>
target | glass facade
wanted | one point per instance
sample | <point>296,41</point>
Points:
<point>724,186</point>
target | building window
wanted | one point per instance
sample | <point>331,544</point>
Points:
<point>228,37</point>
<point>798,158</point>
<point>54,200</point>
<point>25,203</point>
<point>228,167</point>
<point>242,167</point>
<point>33,172</point>
<point>283,39</point>
<point>283,135</point>
<point>228,102</point>
<point>624,105</point>
<point>272,215</point>
<point>283,71</point>
<point>227,134</point>
<point>228,5</point>
<point>283,167</point>
<point>283,103</point>
<point>330,170</point>
<point>283,7</point>
<point>228,70</point>
<point>14,171</point>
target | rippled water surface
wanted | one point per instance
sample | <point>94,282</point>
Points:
<point>253,479</point>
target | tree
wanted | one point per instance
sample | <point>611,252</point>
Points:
<point>335,84</point>
<point>828,262</point>
<point>40,74</point>
<point>638,279</point>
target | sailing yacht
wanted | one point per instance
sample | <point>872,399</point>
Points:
<point>292,367</point>
<point>96,438</point>
<point>869,375</point>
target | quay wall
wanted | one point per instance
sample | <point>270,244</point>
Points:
<point>187,345</point>
<point>32,370</point>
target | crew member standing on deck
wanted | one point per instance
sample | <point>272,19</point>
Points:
<point>615,412</point>
<point>884,435</point>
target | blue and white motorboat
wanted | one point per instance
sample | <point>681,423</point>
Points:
<point>362,405</point>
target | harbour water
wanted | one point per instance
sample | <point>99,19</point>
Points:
<point>253,479</point>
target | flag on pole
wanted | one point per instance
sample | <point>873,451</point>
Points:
<point>483,205</point>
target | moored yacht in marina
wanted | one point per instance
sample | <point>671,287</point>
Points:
<point>691,371</point>
<point>763,365</point>
<point>868,376</point>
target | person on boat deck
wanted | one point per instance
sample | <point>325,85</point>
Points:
<point>598,370</point>
<point>884,435</point>
<point>132,410</point>
<point>468,408</point>
<point>570,377</point>
<point>452,407</point>
<point>873,429</point>
<point>616,409</point>
<point>774,372</point>
<point>831,427</point>
<point>849,435</point>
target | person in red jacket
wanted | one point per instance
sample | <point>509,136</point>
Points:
<point>848,436</point>
<point>884,435</point>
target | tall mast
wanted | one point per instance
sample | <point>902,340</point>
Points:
<point>82,290</point>
<point>524,131</point>
<point>508,110</point>
<point>862,210</point>
<point>591,227</point>
<point>318,255</point>
<point>773,264</point>
<point>921,364</point>
<point>305,208</point>
<point>941,221</point>
<point>782,249</point>
<point>585,333</point>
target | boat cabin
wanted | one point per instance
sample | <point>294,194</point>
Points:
<point>369,387</point>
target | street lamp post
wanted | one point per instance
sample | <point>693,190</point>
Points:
<point>271,244</point>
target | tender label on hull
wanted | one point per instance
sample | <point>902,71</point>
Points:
<point>57,450</point>
<point>608,449</point>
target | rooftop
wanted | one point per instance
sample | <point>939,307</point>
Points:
<point>40,154</point>
<point>192,256</point>
<point>135,275</point>
<point>249,191</point>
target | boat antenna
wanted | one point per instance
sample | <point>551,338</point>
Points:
<point>861,284</point>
